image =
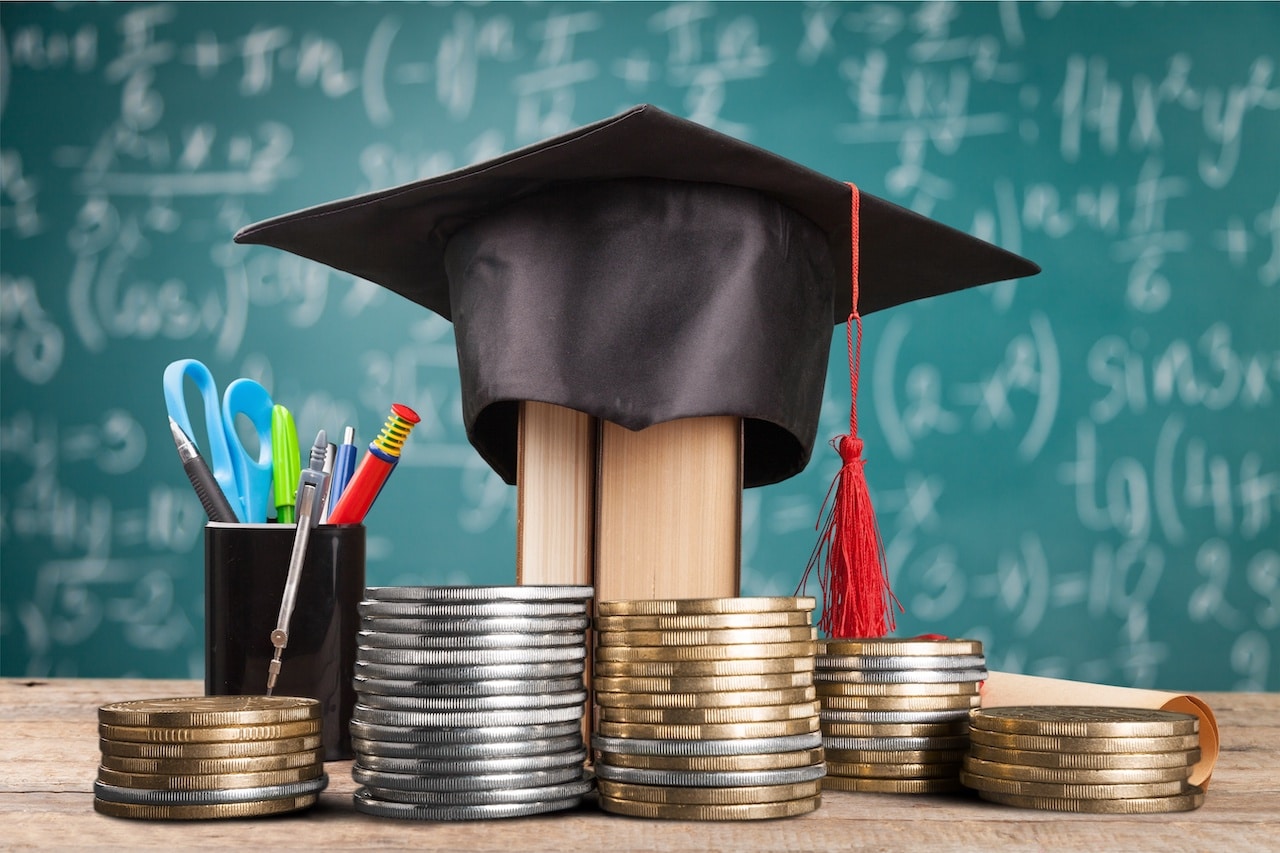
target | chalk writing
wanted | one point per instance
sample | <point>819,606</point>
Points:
<point>1095,446</point>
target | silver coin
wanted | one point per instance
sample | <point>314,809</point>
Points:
<point>479,625</point>
<point>694,748</point>
<point>895,744</point>
<point>366,803</point>
<point>475,704</point>
<point>161,797</point>
<point>902,662</point>
<point>475,657</point>
<point>468,674</point>
<point>466,751</point>
<point>465,782</point>
<point>449,594</point>
<point>463,689</point>
<point>710,778</point>
<point>472,766</point>
<point>522,609</point>
<point>492,734</point>
<point>559,791</point>
<point>466,719</point>
<point>381,640</point>
<point>894,716</point>
<point>916,676</point>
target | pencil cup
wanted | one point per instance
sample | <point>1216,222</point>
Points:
<point>245,566</point>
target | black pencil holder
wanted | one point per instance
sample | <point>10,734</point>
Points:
<point>245,566</point>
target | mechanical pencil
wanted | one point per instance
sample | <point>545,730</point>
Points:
<point>212,498</point>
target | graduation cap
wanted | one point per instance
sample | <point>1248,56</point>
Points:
<point>643,269</point>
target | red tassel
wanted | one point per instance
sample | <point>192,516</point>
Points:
<point>857,600</point>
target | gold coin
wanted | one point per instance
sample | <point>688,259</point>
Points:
<point>1086,760</point>
<point>710,731</point>
<point>700,716</point>
<point>713,763</point>
<point>950,727</point>
<point>256,808</point>
<point>209,781</point>
<point>1084,721</point>
<point>883,756</point>
<point>896,646</point>
<point>208,734</point>
<point>633,654</point>
<point>226,749</point>
<point>866,688</point>
<point>1075,775</point>
<point>204,711</point>
<point>898,703</point>
<point>690,606</point>
<point>703,621</point>
<point>723,699</point>
<point>701,668</point>
<point>1191,798</point>
<point>702,683</point>
<point>1071,791</point>
<point>717,637</point>
<point>673,794</point>
<point>892,770</point>
<point>1053,743</point>
<point>744,811</point>
<point>892,786</point>
<point>191,766</point>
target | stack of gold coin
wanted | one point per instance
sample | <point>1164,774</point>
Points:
<point>209,757</point>
<point>1084,759</point>
<point>706,708</point>
<point>895,712</point>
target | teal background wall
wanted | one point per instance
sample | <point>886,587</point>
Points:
<point>1082,469</point>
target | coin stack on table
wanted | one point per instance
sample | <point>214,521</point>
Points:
<point>209,757</point>
<point>895,712</point>
<point>1084,759</point>
<point>706,708</point>
<point>469,701</point>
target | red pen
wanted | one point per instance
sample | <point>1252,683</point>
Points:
<point>375,467</point>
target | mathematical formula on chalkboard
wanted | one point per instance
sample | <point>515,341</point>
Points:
<point>1081,469</point>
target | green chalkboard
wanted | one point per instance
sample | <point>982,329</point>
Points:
<point>1081,469</point>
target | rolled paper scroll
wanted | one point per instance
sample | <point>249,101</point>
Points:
<point>1006,688</point>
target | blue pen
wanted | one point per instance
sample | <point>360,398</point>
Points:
<point>343,466</point>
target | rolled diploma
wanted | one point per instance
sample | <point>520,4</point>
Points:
<point>1006,688</point>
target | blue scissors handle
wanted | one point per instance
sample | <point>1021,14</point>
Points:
<point>245,481</point>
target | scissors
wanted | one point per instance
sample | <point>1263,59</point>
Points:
<point>245,481</point>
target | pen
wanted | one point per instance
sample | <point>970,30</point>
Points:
<point>285,462</point>
<point>212,498</point>
<point>311,485</point>
<point>375,467</point>
<point>343,467</point>
<point>330,454</point>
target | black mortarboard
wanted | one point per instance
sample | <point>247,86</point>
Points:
<point>641,269</point>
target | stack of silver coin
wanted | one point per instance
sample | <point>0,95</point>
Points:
<point>202,757</point>
<point>470,701</point>
<point>895,712</point>
<point>706,708</point>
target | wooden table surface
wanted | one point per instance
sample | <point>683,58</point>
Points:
<point>49,759</point>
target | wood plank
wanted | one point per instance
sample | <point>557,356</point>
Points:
<point>555,495</point>
<point>48,763</point>
<point>669,518</point>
